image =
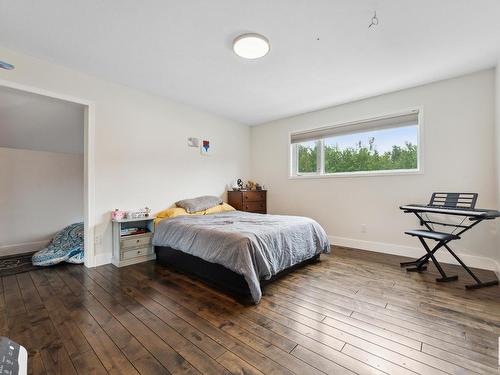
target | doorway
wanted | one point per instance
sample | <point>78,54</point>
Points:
<point>88,198</point>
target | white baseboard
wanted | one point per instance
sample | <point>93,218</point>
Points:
<point>102,259</point>
<point>416,252</point>
<point>24,247</point>
<point>379,247</point>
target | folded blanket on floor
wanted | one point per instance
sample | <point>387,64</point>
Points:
<point>67,246</point>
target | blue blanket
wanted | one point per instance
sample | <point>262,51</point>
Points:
<point>67,246</point>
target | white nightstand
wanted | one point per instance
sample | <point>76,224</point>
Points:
<point>135,248</point>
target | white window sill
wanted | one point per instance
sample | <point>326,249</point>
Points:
<point>397,172</point>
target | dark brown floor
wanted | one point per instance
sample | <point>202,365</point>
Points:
<point>12,264</point>
<point>354,312</point>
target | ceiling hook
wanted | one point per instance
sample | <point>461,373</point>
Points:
<point>374,20</point>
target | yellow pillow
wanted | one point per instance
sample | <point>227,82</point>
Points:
<point>178,211</point>
<point>170,212</point>
<point>224,207</point>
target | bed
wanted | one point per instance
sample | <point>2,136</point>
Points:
<point>237,251</point>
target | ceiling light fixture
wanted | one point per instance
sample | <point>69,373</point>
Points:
<point>251,46</point>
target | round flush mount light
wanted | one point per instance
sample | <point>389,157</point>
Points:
<point>251,46</point>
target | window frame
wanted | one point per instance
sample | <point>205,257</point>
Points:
<point>293,172</point>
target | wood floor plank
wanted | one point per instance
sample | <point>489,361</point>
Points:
<point>375,361</point>
<point>242,336</point>
<point>323,350</point>
<point>438,339</point>
<point>438,324</point>
<point>392,354</point>
<point>481,353</point>
<point>275,354</point>
<point>333,365</point>
<point>355,312</point>
<point>18,324</point>
<point>12,296</point>
<point>277,340</point>
<point>198,338</point>
<point>102,303</point>
<point>79,350</point>
<point>54,355</point>
<point>478,361</point>
<point>433,360</point>
<point>112,358</point>
<point>146,326</point>
<point>304,328</point>
<point>236,365</point>
<point>4,327</point>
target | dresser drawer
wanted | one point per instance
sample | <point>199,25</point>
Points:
<point>254,206</point>
<point>141,240</point>
<point>137,252</point>
<point>254,196</point>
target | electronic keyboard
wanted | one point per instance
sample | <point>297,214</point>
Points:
<point>461,211</point>
<point>459,204</point>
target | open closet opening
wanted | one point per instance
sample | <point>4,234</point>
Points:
<point>42,173</point>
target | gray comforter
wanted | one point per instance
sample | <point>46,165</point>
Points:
<point>253,245</point>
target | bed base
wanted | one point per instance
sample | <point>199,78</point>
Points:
<point>215,275</point>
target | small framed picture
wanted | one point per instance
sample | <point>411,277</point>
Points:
<point>193,142</point>
<point>205,147</point>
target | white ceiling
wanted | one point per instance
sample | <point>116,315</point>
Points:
<point>182,49</point>
<point>34,122</point>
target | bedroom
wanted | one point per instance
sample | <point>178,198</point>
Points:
<point>147,95</point>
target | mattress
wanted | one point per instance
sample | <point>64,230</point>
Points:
<point>255,246</point>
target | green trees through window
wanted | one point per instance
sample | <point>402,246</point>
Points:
<point>357,158</point>
<point>307,155</point>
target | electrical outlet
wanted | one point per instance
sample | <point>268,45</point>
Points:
<point>363,228</point>
<point>97,239</point>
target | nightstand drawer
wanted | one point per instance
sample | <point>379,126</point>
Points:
<point>254,206</point>
<point>141,240</point>
<point>253,196</point>
<point>138,252</point>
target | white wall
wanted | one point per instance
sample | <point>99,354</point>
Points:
<point>40,193</point>
<point>141,157</point>
<point>35,122</point>
<point>459,155</point>
<point>497,105</point>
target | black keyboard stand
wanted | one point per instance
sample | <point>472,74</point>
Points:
<point>442,238</point>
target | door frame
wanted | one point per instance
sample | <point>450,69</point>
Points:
<point>88,163</point>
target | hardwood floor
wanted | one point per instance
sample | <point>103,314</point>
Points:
<point>353,312</point>
<point>16,263</point>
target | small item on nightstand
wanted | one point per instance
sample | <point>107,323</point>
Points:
<point>117,214</point>
<point>132,231</point>
<point>240,184</point>
<point>143,212</point>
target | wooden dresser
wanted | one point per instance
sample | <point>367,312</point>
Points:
<point>249,201</point>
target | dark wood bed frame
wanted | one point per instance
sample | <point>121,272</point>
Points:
<point>215,275</point>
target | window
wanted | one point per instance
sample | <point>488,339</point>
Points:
<point>383,144</point>
<point>307,155</point>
